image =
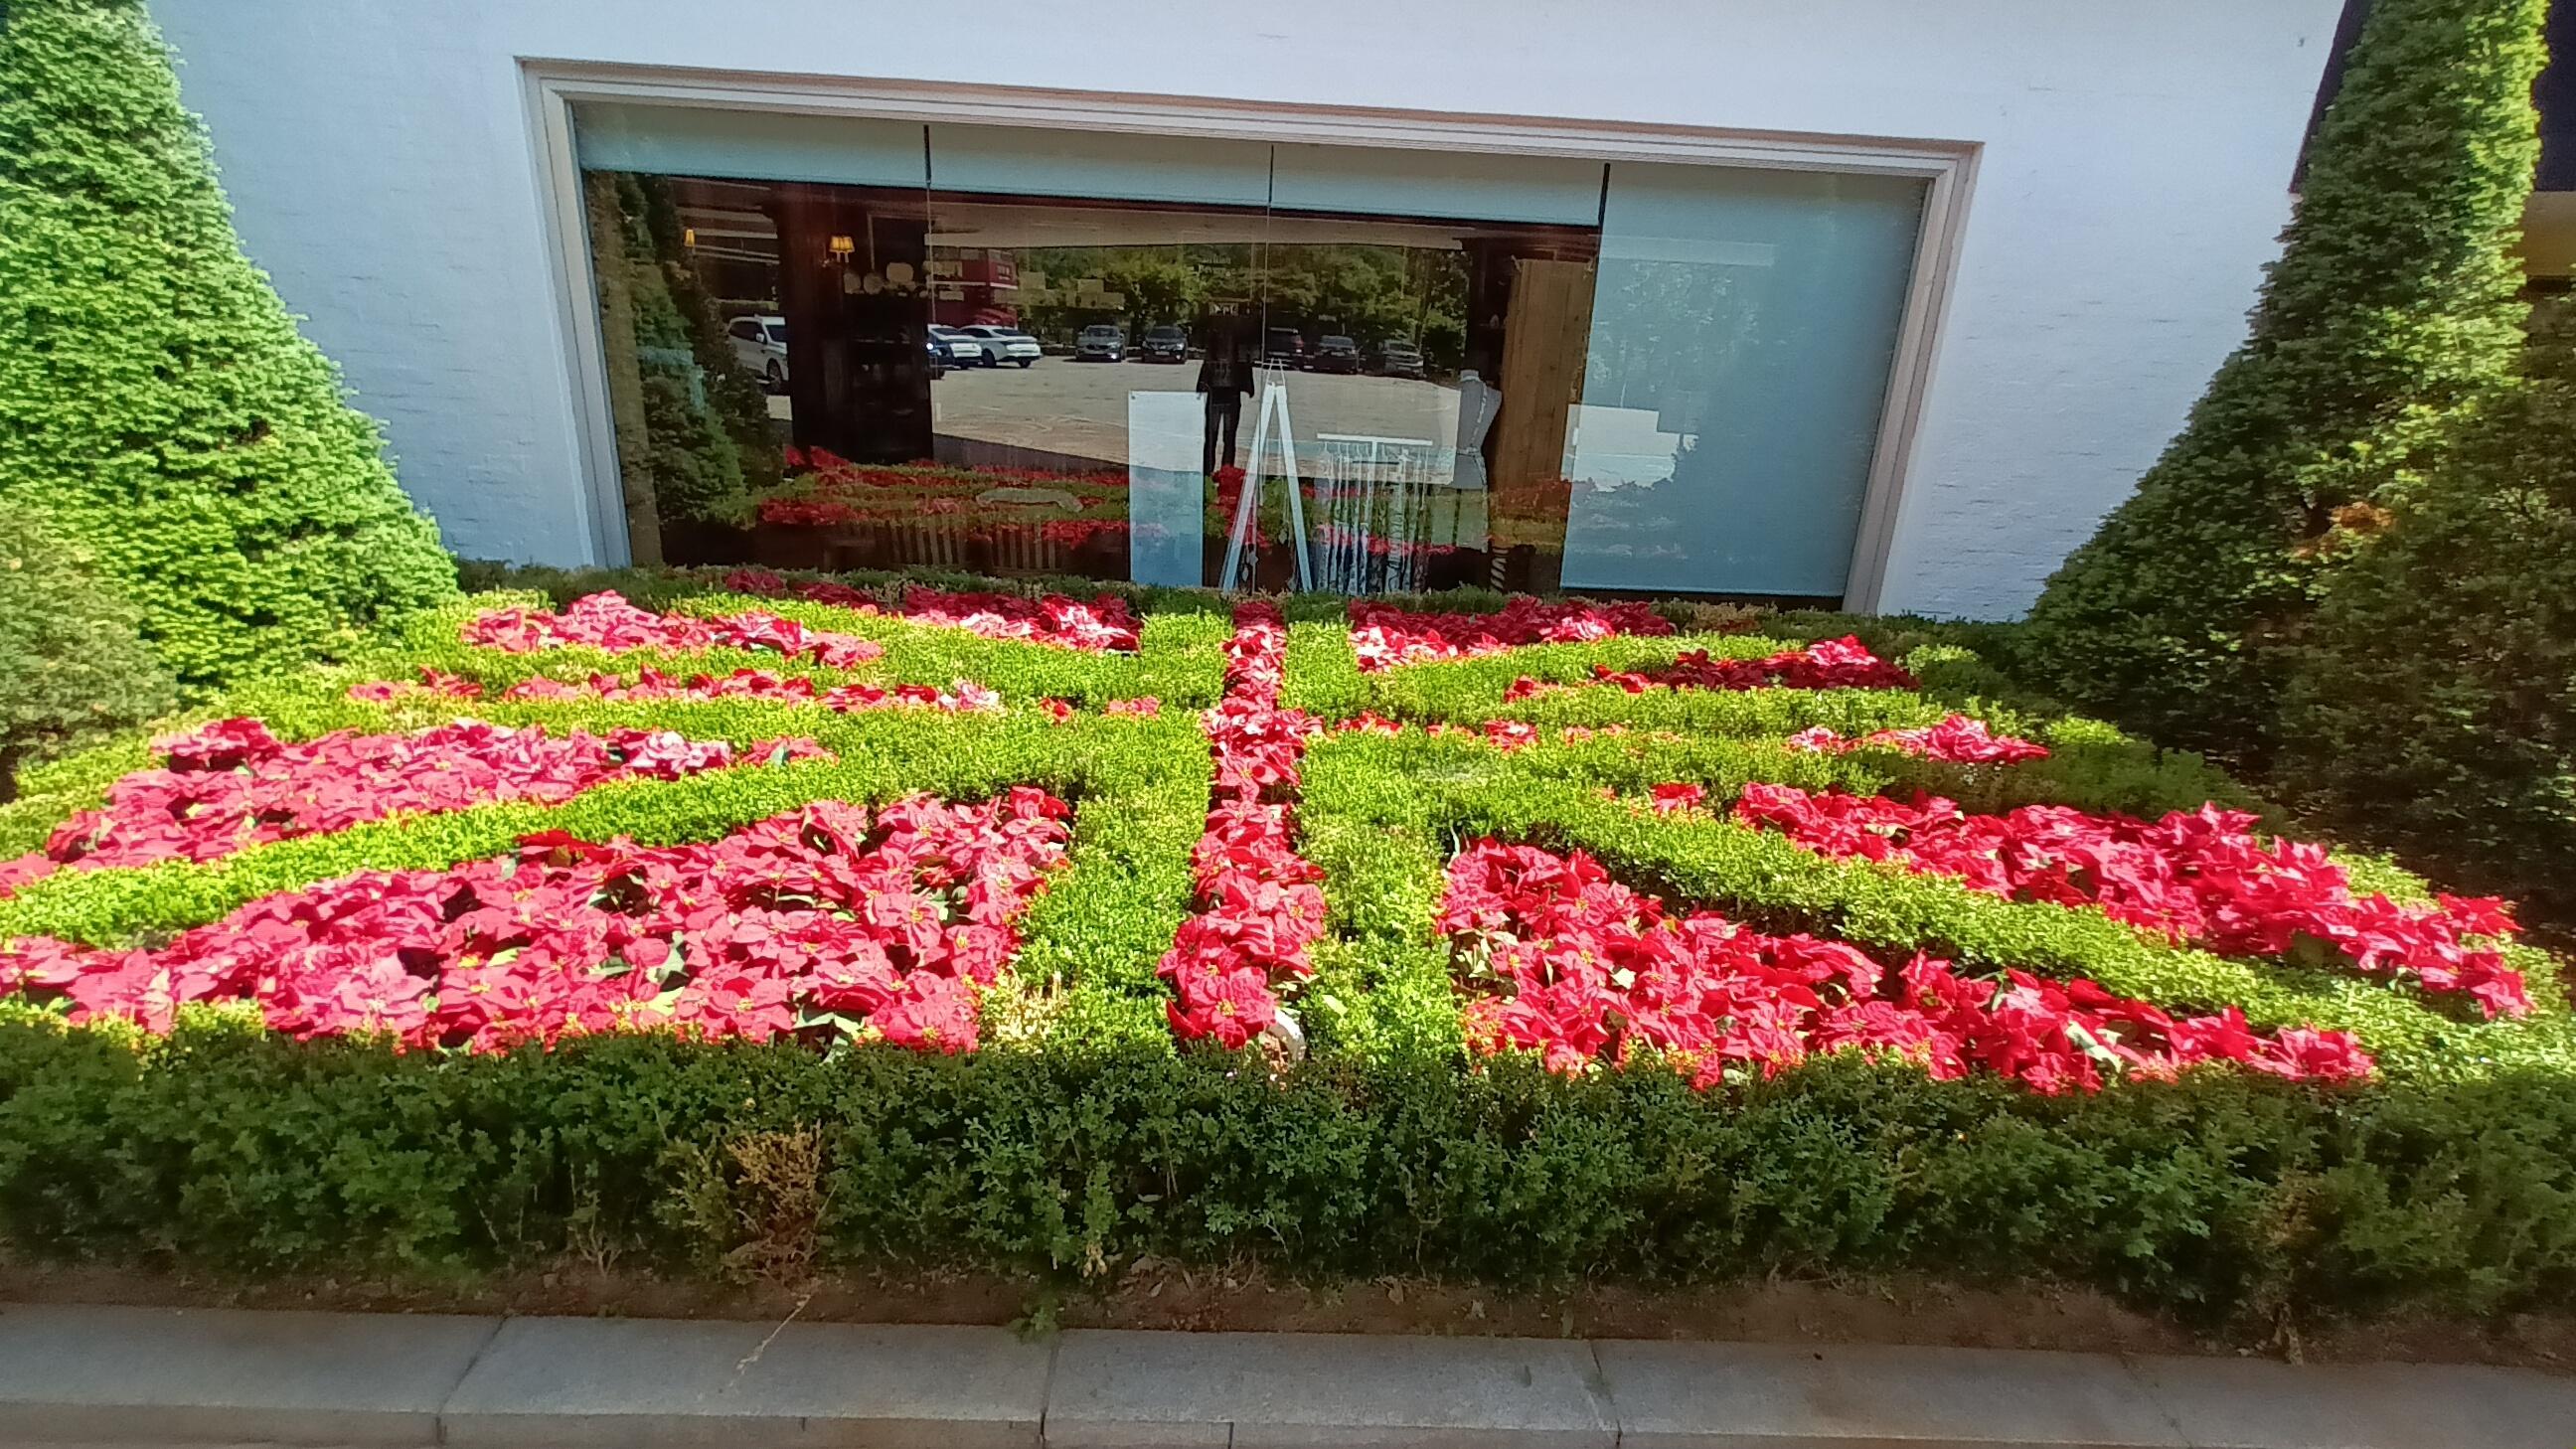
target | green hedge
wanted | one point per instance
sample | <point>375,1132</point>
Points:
<point>222,1148</point>
<point>2434,702</point>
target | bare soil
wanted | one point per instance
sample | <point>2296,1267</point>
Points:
<point>1163,1296</point>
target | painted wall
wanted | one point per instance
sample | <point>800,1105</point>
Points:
<point>2134,174</point>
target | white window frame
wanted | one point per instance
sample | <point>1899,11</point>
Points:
<point>552,86</point>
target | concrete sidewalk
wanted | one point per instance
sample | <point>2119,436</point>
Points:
<point>192,1376</point>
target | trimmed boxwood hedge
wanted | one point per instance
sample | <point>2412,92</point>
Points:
<point>1080,1138</point>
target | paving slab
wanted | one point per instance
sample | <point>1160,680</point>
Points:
<point>2263,1404</point>
<point>1128,1389</point>
<point>571,1383</point>
<point>1763,1396</point>
<point>78,1373</point>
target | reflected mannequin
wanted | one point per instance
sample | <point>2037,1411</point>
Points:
<point>1478,401</point>
<point>1225,380</point>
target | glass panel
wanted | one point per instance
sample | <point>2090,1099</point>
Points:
<point>760,145</point>
<point>1015,161</point>
<point>1742,330</point>
<point>1068,441</point>
<point>761,341</point>
<point>1361,181</point>
<point>1366,402</point>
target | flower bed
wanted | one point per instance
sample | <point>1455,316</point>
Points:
<point>823,923</point>
<point>1301,932</point>
<point>2195,876</point>
<point>232,785</point>
<point>1572,965</point>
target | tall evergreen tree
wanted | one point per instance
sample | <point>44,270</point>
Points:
<point>2433,701</point>
<point>2392,303</point>
<point>157,405</point>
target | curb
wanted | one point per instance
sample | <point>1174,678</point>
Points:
<point>102,1375</point>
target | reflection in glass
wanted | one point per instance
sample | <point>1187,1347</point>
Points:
<point>1107,357</point>
<point>1742,331</point>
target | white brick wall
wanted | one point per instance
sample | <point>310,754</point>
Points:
<point>2135,171</point>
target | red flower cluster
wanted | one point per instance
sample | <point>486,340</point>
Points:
<point>1259,904</point>
<point>1581,969</point>
<point>770,584</point>
<point>1843,663</point>
<point>2199,876</point>
<point>1104,623</point>
<point>1957,740</point>
<point>820,921</point>
<point>963,695</point>
<point>232,785</point>
<point>607,621</point>
<point>1385,636</point>
<point>806,512</point>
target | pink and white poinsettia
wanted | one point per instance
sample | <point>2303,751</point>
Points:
<point>1565,962</point>
<point>1385,636</point>
<point>230,785</point>
<point>1260,904</point>
<point>1956,740</point>
<point>608,621</point>
<point>2201,876</point>
<point>1103,623</point>
<point>826,922</point>
<point>762,686</point>
<point>1843,663</point>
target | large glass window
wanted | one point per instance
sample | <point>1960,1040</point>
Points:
<point>857,344</point>
<point>1742,329</point>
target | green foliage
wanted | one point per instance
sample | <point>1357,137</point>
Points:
<point>2393,303</point>
<point>157,405</point>
<point>2434,702</point>
<point>71,664</point>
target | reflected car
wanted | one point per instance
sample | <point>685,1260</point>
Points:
<point>1164,344</point>
<point>760,347</point>
<point>1399,358</point>
<point>1335,354</point>
<point>1101,342</point>
<point>1283,347</point>
<point>963,351</point>
<point>938,354</point>
<point>1005,344</point>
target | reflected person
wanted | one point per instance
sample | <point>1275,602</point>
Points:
<point>1225,380</point>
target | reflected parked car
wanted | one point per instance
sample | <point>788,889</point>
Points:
<point>938,354</point>
<point>963,351</point>
<point>1283,347</point>
<point>1164,344</point>
<point>1101,342</point>
<point>1005,344</point>
<point>1335,354</point>
<point>760,347</point>
<point>1399,358</point>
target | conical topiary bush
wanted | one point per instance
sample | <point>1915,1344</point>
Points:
<point>158,407</point>
<point>2393,303</point>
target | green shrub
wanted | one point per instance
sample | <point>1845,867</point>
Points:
<point>2393,302</point>
<point>70,662</point>
<point>156,401</point>
<point>2434,703</point>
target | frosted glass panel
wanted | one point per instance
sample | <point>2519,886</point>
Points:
<point>1369,182</point>
<point>749,145</point>
<point>1743,326</point>
<point>1020,161</point>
